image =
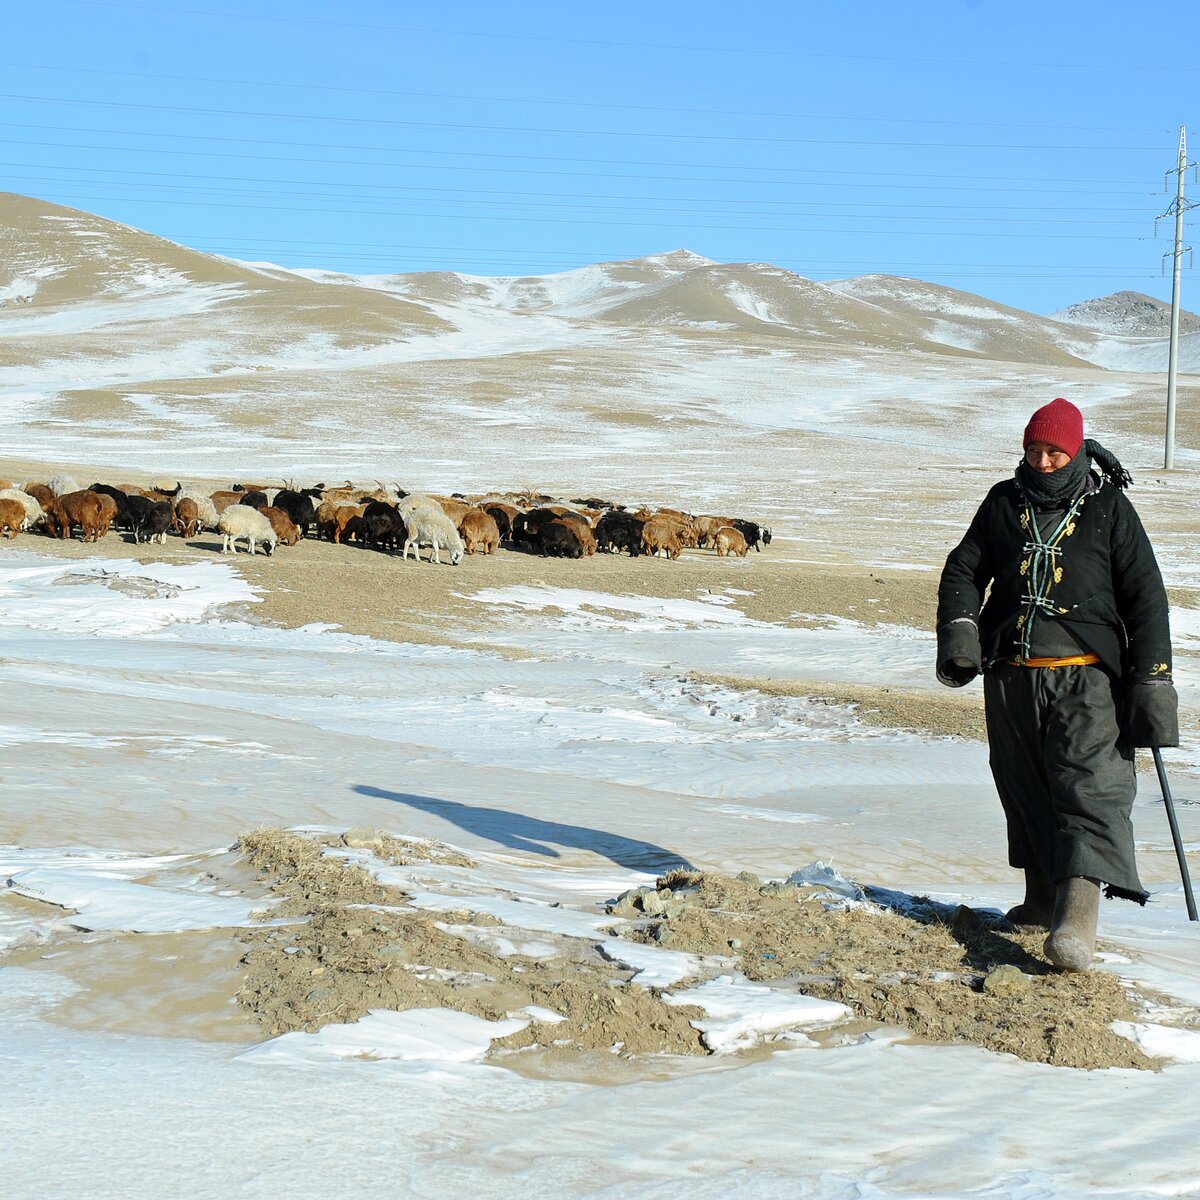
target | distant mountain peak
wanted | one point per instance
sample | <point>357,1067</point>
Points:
<point>1132,314</point>
<point>677,260</point>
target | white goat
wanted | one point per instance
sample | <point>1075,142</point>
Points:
<point>427,525</point>
<point>206,511</point>
<point>240,520</point>
<point>61,484</point>
<point>33,510</point>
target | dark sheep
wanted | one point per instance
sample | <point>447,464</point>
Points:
<point>527,527</point>
<point>617,531</point>
<point>559,539</point>
<point>149,519</point>
<point>354,531</point>
<point>383,527</point>
<point>299,506</point>
<point>255,500</point>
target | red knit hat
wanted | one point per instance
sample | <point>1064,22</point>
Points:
<point>1059,424</point>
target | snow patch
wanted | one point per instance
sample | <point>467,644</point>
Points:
<point>741,1013</point>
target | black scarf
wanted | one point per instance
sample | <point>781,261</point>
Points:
<point>1060,489</point>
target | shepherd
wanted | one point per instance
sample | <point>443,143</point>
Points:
<point>1075,648</point>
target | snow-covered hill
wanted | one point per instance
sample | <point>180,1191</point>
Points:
<point>166,354</point>
<point>114,291</point>
<point>1132,314</point>
<point>70,273</point>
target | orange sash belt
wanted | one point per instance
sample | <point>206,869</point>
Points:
<point>1075,660</point>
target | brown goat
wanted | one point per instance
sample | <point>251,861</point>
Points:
<point>583,530</point>
<point>479,528</point>
<point>284,526</point>
<point>324,518</point>
<point>41,492</point>
<point>730,541</point>
<point>12,517</point>
<point>682,517</point>
<point>357,495</point>
<point>706,529</point>
<point>454,509</point>
<point>83,509</point>
<point>342,520</point>
<point>222,500</point>
<point>663,533</point>
<point>187,517</point>
<point>108,513</point>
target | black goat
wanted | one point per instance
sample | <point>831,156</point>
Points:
<point>299,506</point>
<point>383,527</point>
<point>149,519</point>
<point>756,535</point>
<point>617,531</point>
<point>558,539</point>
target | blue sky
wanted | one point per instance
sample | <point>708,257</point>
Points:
<point>1011,149</point>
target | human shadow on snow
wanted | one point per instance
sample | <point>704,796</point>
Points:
<point>520,832</point>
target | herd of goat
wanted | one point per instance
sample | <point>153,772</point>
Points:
<point>379,518</point>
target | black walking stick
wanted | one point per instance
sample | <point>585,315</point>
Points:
<point>1183,867</point>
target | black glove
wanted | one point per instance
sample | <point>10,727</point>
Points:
<point>1151,714</point>
<point>959,658</point>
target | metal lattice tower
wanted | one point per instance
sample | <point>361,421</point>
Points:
<point>1175,209</point>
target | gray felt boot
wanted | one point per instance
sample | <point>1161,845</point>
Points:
<point>1072,937</point>
<point>1037,908</point>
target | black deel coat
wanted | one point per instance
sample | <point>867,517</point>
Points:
<point>1109,594</point>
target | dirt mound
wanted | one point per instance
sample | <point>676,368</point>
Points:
<point>363,948</point>
<point>944,974</point>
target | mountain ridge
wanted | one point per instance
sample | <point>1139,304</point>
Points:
<point>69,271</point>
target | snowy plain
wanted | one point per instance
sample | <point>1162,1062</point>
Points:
<point>142,729</point>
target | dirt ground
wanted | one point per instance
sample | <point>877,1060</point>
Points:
<point>942,974</point>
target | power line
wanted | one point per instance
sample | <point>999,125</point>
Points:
<point>561,103</point>
<point>678,225</point>
<point>444,126</point>
<point>490,196</point>
<point>608,175</point>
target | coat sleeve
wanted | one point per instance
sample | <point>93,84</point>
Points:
<point>965,578</point>
<point>967,572</point>
<point>1141,598</point>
